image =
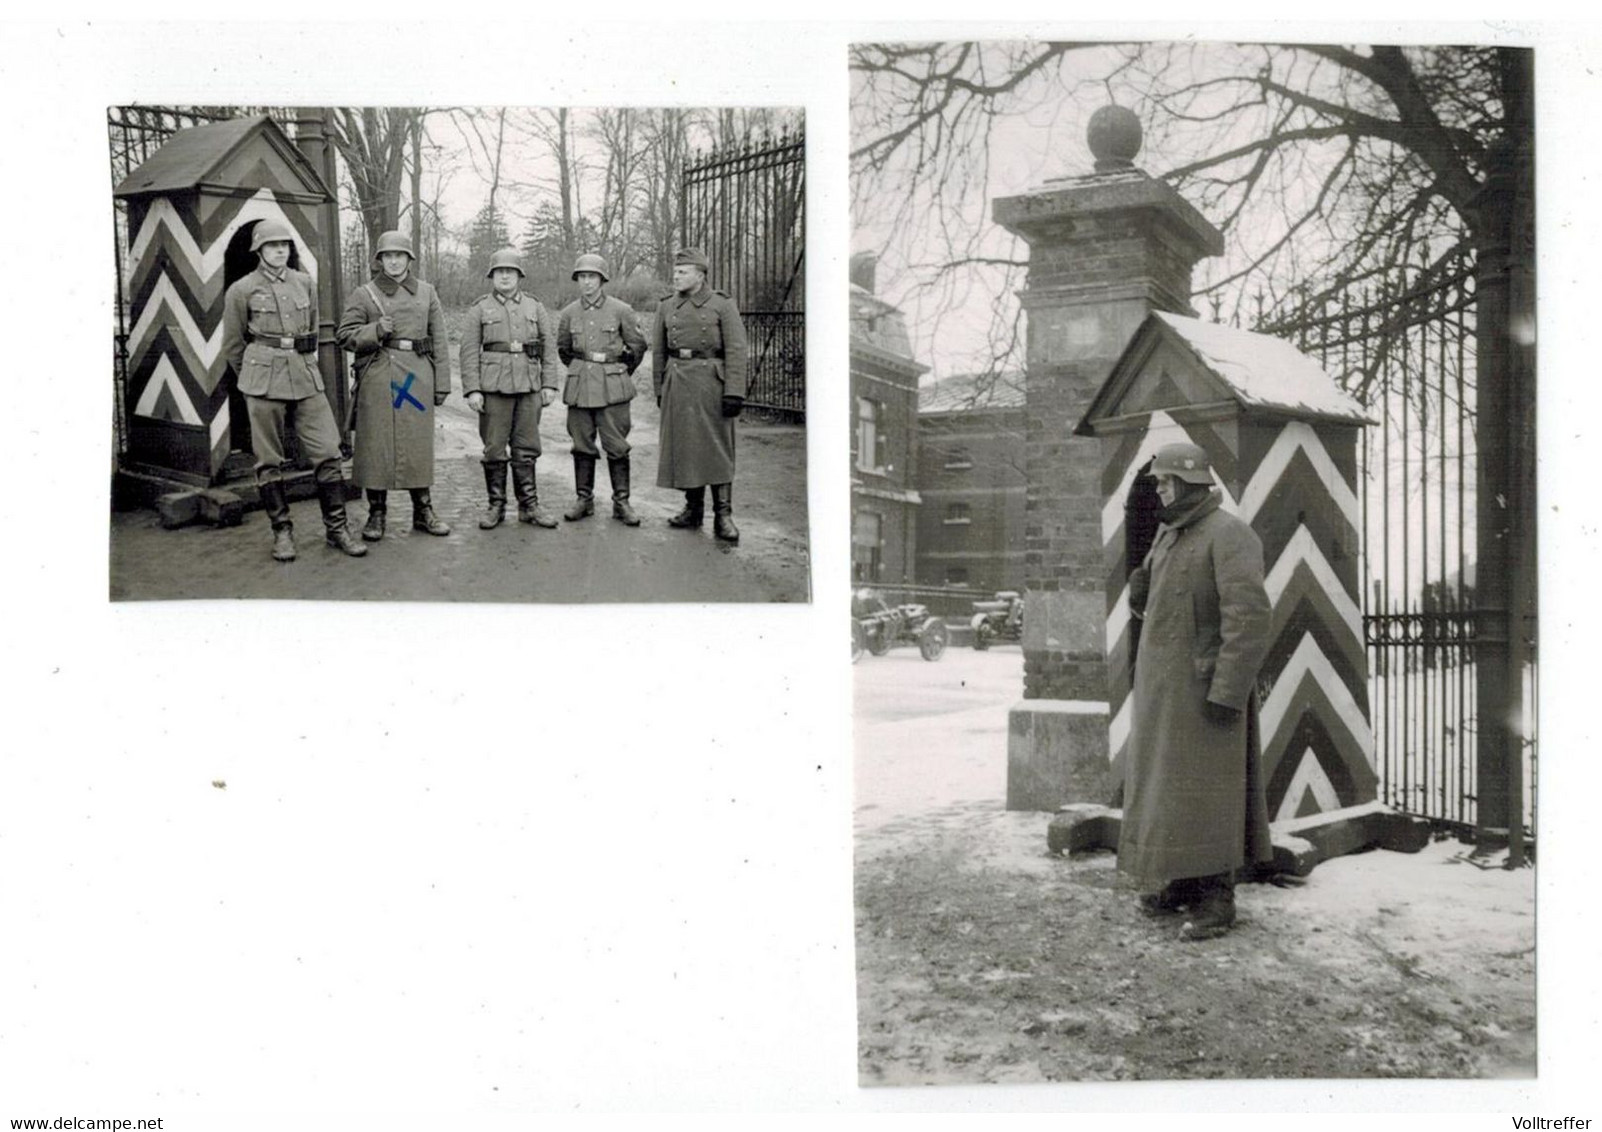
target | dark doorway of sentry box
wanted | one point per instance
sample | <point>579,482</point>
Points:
<point>1141,508</point>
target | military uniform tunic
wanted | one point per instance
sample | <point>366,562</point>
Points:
<point>600,342</point>
<point>395,384</point>
<point>263,313</point>
<point>698,356</point>
<point>506,376</point>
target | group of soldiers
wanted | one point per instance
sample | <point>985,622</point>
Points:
<point>512,355</point>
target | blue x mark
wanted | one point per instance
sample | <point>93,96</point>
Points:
<point>403,393</point>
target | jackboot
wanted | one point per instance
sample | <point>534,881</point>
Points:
<point>495,485</point>
<point>276,504</point>
<point>1212,911</point>
<point>423,517</point>
<point>723,513</point>
<point>528,495</point>
<point>331,495</point>
<point>694,513</point>
<point>1175,896</point>
<point>377,512</point>
<point>584,485</point>
<point>619,471</point>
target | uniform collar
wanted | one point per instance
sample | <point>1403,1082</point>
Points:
<point>278,277</point>
<point>1203,506</point>
<point>509,300</point>
<point>390,286</point>
<point>600,301</point>
<point>698,296</point>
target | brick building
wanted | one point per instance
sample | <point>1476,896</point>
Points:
<point>973,481</point>
<point>884,435</point>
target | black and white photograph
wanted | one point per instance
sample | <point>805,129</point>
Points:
<point>499,354</point>
<point>1193,544</point>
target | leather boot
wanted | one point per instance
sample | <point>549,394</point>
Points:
<point>528,495</point>
<point>495,485</point>
<point>377,512</point>
<point>723,513</point>
<point>619,471</point>
<point>423,517</point>
<point>331,494</point>
<point>276,504</point>
<point>584,484</point>
<point>694,513</point>
<point>1212,910</point>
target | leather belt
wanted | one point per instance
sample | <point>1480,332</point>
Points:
<point>601,357</point>
<point>300,343</point>
<point>529,348</point>
<point>415,345</point>
<point>688,354</point>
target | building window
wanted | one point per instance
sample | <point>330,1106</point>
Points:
<point>958,460</point>
<point>866,546</point>
<point>957,515</point>
<point>871,438</point>
<point>956,575</point>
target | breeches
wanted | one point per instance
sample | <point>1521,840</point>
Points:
<point>509,418</point>
<point>611,422</point>
<point>314,424</point>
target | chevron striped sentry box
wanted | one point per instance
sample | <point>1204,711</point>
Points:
<point>191,207</point>
<point>1283,441</point>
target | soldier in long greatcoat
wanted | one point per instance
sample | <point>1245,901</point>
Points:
<point>396,327</point>
<point>698,360</point>
<point>1194,806</point>
<point>599,340</point>
<point>509,373</point>
<point>270,341</point>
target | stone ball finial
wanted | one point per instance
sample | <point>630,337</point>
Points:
<point>1114,135</point>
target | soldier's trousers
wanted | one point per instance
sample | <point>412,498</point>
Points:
<point>611,422</point>
<point>509,417</point>
<point>314,424</point>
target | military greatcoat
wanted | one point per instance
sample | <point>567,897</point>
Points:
<point>698,356</point>
<point>395,381</point>
<point>1193,789</point>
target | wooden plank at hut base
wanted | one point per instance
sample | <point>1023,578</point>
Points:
<point>1079,826</point>
<point>178,508</point>
<point>221,508</point>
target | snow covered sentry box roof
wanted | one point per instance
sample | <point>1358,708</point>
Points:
<point>1282,438</point>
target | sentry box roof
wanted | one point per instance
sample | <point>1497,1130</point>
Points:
<point>227,155</point>
<point>1185,363</point>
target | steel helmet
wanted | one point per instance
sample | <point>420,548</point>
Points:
<point>506,257</point>
<point>1183,461</point>
<point>590,262</point>
<point>393,241</point>
<point>270,232</point>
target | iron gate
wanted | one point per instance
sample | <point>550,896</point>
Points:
<point>1404,346</point>
<point>745,206</point>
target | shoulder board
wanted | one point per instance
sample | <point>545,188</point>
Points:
<point>481,298</point>
<point>720,294</point>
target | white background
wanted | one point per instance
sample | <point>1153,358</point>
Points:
<point>479,861</point>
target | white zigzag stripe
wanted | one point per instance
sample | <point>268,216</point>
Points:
<point>1265,479</point>
<point>1302,547</point>
<point>263,206</point>
<point>1310,659</point>
<point>1118,619</point>
<point>1309,776</point>
<point>206,349</point>
<point>166,377</point>
<point>1161,429</point>
<point>1118,729</point>
<point>219,424</point>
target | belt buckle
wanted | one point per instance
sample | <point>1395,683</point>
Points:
<point>286,343</point>
<point>403,343</point>
<point>516,346</point>
<point>684,353</point>
<point>598,358</point>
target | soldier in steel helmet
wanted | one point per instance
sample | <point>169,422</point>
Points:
<point>1194,806</point>
<point>396,327</point>
<point>509,372</point>
<point>599,340</point>
<point>698,358</point>
<point>270,341</point>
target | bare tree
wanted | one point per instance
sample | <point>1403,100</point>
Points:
<point>372,141</point>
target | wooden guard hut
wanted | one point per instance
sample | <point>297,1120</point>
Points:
<point>1282,437</point>
<point>191,210</point>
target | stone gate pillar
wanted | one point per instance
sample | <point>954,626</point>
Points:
<point>1105,249</point>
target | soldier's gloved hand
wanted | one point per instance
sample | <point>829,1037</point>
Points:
<point>547,395</point>
<point>475,401</point>
<point>386,326</point>
<point>1221,714</point>
<point>439,399</point>
<point>732,406</point>
<point>1139,590</point>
